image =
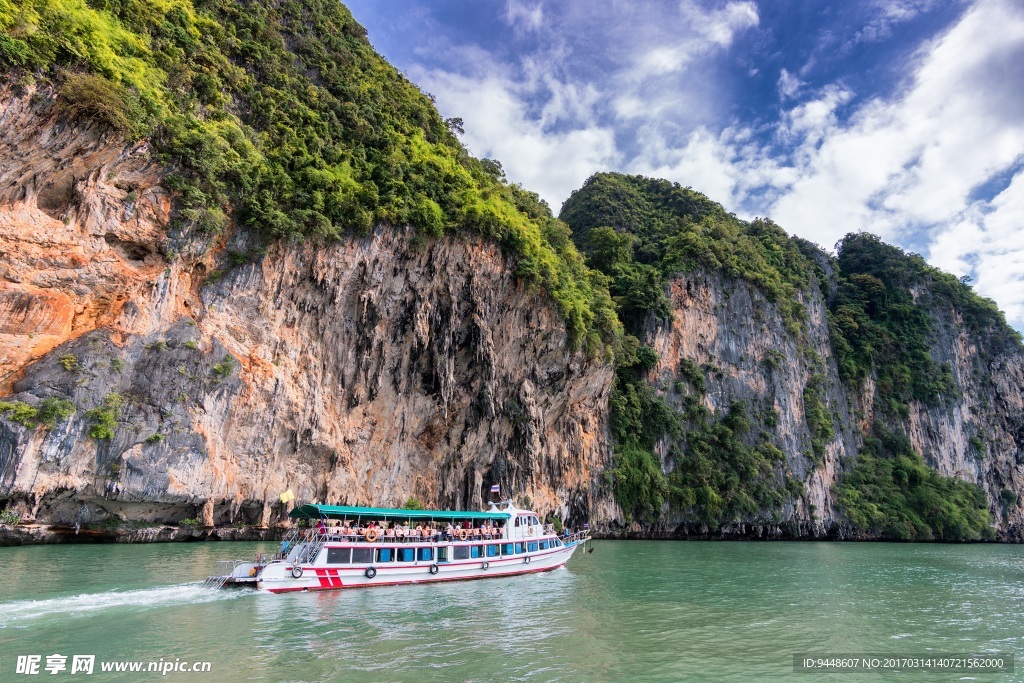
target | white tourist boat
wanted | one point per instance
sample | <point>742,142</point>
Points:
<point>352,547</point>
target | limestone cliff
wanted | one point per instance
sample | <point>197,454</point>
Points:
<point>777,390</point>
<point>739,339</point>
<point>363,372</point>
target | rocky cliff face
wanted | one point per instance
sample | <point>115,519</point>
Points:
<point>746,353</point>
<point>364,372</point>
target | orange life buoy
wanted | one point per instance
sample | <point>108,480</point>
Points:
<point>371,535</point>
<point>463,534</point>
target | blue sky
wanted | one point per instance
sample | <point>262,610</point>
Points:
<point>901,117</point>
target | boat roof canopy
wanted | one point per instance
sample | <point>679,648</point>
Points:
<point>349,511</point>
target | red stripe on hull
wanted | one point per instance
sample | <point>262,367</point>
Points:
<point>409,583</point>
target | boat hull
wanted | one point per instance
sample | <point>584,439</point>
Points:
<point>277,577</point>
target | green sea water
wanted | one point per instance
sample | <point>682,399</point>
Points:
<point>629,611</point>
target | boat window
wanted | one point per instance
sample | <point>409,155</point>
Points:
<point>517,521</point>
<point>507,549</point>
<point>492,550</point>
<point>406,554</point>
<point>519,547</point>
<point>474,550</point>
<point>461,552</point>
<point>442,554</point>
<point>362,555</point>
<point>339,555</point>
<point>532,547</point>
<point>543,545</point>
<point>425,554</point>
<point>385,555</point>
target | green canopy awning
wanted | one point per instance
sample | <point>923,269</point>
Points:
<point>348,511</point>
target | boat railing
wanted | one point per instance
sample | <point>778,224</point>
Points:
<point>311,538</point>
<point>226,570</point>
<point>580,536</point>
<point>437,537</point>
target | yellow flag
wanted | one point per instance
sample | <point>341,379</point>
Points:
<point>287,496</point>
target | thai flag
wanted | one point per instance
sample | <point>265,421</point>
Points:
<point>496,489</point>
<point>586,526</point>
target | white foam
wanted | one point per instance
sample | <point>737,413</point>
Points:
<point>23,612</point>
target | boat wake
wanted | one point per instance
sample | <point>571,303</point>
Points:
<point>21,613</point>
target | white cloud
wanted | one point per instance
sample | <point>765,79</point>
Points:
<point>884,15</point>
<point>789,85</point>
<point>988,243</point>
<point>719,26</point>
<point>498,126</point>
<point>552,130</point>
<point>524,17</point>
<point>910,164</point>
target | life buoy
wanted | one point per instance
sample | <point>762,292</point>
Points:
<point>370,572</point>
<point>529,532</point>
<point>371,536</point>
<point>433,569</point>
<point>526,559</point>
<point>463,534</point>
<point>485,565</point>
<point>296,572</point>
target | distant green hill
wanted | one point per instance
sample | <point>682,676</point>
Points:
<point>641,232</point>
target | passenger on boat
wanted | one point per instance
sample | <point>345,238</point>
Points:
<point>389,533</point>
<point>321,528</point>
<point>449,532</point>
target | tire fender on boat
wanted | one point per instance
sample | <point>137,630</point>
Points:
<point>526,559</point>
<point>370,572</point>
<point>434,569</point>
<point>296,572</point>
<point>485,565</point>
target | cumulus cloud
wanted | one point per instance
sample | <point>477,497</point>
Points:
<point>910,164</point>
<point>919,166</point>
<point>498,125</point>
<point>550,125</point>
<point>988,244</point>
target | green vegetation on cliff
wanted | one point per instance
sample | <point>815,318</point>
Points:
<point>640,232</point>
<point>891,493</point>
<point>720,476</point>
<point>881,321</point>
<point>282,118</point>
